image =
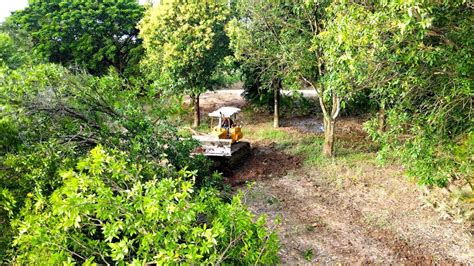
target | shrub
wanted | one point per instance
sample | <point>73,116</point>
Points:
<point>107,212</point>
<point>52,116</point>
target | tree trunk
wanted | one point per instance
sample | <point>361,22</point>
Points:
<point>197,111</point>
<point>276,103</point>
<point>329,124</point>
<point>329,117</point>
<point>382,120</point>
<point>328,147</point>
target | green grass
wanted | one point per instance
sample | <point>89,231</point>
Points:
<point>309,146</point>
<point>308,254</point>
<point>265,132</point>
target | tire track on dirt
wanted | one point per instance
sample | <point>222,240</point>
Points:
<point>322,220</point>
<point>330,226</point>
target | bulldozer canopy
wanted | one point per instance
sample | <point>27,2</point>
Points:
<point>226,111</point>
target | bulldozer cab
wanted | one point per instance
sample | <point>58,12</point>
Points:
<point>224,140</point>
<point>226,127</point>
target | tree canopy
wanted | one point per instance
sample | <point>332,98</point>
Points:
<point>91,34</point>
<point>185,43</point>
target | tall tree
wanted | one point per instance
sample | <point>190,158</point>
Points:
<point>92,34</point>
<point>422,77</point>
<point>185,42</point>
<point>255,40</point>
<point>336,38</point>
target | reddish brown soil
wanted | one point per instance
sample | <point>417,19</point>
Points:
<point>263,162</point>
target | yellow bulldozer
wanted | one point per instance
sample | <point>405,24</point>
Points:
<point>225,138</point>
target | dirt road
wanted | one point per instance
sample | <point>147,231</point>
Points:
<point>215,99</point>
<point>376,221</point>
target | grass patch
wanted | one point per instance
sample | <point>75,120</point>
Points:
<point>265,132</point>
<point>306,145</point>
<point>308,254</point>
<point>309,146</point>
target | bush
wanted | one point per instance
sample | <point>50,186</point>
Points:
<point>107,212</point>
<point>59,114</point>
<point>430,157</point>
<point>428,99</point>
<point>52,116</point>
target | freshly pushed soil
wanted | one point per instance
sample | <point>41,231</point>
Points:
<point>262,162</point>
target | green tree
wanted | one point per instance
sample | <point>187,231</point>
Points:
<point>51,108</point>
<point>255,40</point>
<point>16,47</point>
<point>185,42</point>
<point>50,116</point>
<point>93,34</point>
<point>308,43</point>
<point>422,79</point>
<point>10,56</point>
<point>341,36</point>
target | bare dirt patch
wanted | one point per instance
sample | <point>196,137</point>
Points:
<point>263,162</point>
<point>348,220</point>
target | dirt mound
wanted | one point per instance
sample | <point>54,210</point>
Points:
<point>263,162</point>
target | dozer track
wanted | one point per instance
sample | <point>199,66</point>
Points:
<point>225,164</point>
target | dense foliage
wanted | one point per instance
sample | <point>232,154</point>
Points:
<point>107,212</point>
<point>52,117</point>
<point>140,196</point>
<point>422,78</point>
<point>93,169</point>
<point>91,34</point>
<point>255,35</point>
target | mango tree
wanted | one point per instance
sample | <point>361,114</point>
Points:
<point>255,35</point>
<point>185,42</point>
<point>422,78</point>
<point>341,39</point>
<point>322,45</point>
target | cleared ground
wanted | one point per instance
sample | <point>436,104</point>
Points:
<point>344,210</point>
